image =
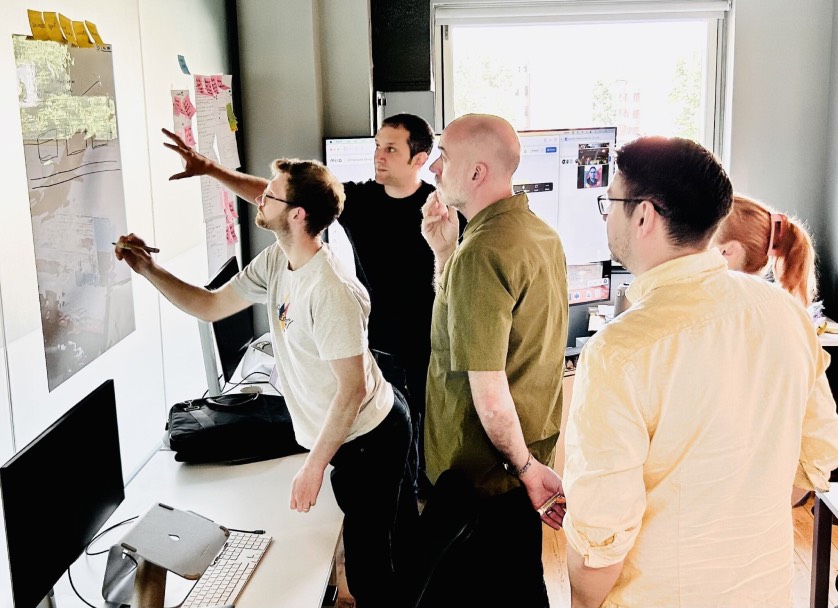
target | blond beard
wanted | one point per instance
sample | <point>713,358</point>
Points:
<point>280,226</point>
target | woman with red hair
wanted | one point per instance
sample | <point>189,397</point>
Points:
<point>757,240</point>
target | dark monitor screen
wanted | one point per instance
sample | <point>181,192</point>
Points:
<point>58,491</point>
<point>235,333</point>
<point>589,283</point>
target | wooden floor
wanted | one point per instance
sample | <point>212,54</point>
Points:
<point>558,586</point>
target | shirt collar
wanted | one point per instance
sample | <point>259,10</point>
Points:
<point>679,270</point>
<point>516,201</point>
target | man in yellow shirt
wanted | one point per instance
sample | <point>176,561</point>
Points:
<point>695,411</point>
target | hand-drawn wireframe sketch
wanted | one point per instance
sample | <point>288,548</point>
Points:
<point>68,118</point>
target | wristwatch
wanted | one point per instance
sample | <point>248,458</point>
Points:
<point>510,468</point>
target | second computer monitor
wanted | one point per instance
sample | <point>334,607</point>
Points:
<point>233,334</point>
<point>58,491</point>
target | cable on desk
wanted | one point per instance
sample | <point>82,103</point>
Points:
<point>76,591</point>
<point>234,385</point>
<point>102,533</point>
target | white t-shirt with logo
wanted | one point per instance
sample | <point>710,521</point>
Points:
<point>318,313</point>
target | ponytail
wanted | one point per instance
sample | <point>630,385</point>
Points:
<point>772,242</point>
<point>794,261</point>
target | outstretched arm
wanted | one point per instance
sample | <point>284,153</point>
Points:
<point>196,301</point>
<point>243,185</point>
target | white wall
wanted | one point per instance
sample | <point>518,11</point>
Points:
<point>146,38</point>
<point>196,29</point>
<point>305,68</point>
<point>778,117</point>
<point>346,60</point>
<point>827,227</point>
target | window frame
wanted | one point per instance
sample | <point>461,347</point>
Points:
<point>470,13</point>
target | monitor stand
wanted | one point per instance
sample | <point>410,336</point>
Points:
<point>149,585</point>
<point>210,363</point>
<point>48,601</point>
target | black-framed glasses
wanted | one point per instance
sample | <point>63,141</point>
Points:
<point>606,204</point>
<point>260,200</point>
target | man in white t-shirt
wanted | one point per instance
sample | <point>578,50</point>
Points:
<point>342,409</point>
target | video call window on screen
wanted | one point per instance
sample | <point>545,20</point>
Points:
<point>594,164</point>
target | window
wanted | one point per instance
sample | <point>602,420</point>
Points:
<point>649,73</point>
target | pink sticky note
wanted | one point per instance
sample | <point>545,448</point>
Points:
<point>232,239</point>
<point>188,108</point>
<point>211,86</point>
<point>201,86</point>
<point>229,206</point>
<point>188,137</point>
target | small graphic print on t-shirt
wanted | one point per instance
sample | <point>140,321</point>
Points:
<point>282,313</point>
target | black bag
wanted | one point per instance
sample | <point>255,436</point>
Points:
<point>236,428</point>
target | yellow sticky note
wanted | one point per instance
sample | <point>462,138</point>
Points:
<point>67,28</point>
<point>53,27</point>
<point>82,39</point>
<point>94,33</point>
<point>36,22</point>
<point>231,118</point>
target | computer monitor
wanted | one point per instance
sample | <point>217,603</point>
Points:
<point>230,337</point>
<point>563,171</point>
<point>58,491</point>
<point>589,283</point>
<point>352,159</point>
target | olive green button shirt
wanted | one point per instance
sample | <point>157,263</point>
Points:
<point>501,305</point>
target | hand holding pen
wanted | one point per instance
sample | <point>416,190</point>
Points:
<point>134,246</point>
<point>553,510</point>
<point>134,252</point>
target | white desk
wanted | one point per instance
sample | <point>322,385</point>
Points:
<point>296,568</point>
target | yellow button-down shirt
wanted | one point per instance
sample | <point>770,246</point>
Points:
<point>693,414</point>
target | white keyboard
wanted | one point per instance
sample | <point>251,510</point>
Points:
<point>224,580</point>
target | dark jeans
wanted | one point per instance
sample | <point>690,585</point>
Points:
<point>379,507</point>
<point>411,381</point>
<point>499,564</point>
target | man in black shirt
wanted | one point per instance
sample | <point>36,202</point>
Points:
<point>401,302</point>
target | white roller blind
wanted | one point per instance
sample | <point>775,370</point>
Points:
<point>503,12</point>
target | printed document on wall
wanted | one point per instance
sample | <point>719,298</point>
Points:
<point>76,198</point>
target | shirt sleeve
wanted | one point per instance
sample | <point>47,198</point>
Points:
<point>819,446</point>
<point>340,328</point>
<point>479,312</point>
<point>607,442</point>
<point>252,282</point>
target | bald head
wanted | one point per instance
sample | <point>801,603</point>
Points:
<point>478,155</point>
<point>491,140</point>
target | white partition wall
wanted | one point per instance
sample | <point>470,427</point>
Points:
<point>160,360</point>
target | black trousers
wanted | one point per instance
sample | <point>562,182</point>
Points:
<point>499,564</point>
<point>379,508</point>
